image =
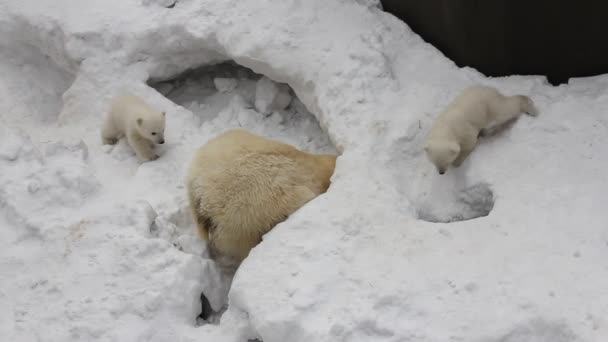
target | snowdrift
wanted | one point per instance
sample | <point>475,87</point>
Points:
<point>96,247</point>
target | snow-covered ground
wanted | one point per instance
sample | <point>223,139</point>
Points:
<point>97,247</point>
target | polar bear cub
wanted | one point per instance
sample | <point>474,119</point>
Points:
<point>241,185</point>
<point>477,110</point>
<point>143,126</point>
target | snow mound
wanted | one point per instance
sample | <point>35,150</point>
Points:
<point>52,181</point>
<point>95,246</point>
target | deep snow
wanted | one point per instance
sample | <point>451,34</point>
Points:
<point>96,247</point>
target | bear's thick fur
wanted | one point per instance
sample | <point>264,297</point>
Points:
<point>477,110</point>
<point>143,126</point>
<point>241,185</point>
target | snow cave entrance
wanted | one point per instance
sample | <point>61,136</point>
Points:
<point>228,95</point>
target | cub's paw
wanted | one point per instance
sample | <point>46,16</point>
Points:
<point>109,141</point>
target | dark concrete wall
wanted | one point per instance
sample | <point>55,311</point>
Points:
<point>559,39</point>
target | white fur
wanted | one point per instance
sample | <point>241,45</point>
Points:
<point>143,126</point>
<point>241,185</point>
<point>476,110</point>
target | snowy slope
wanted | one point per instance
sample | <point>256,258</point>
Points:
<point>96,247</point>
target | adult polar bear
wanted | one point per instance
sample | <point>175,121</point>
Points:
<point>477,110</point>
<point>241,185</point>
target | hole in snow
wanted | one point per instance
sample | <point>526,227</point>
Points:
<point>435,198</point>
<point>464,204</point>
<point>228,95</point>
<point>207,314</point>
<point>206,309</point>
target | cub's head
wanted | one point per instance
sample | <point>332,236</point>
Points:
<point>152,127</point>
<point>442,154</point>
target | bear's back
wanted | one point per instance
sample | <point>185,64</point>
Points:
<point>247,184</point>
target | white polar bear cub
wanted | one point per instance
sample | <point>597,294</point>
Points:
<point>478,109</point>
<point>143,126</point>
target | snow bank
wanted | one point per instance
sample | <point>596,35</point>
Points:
<point>98,247</point>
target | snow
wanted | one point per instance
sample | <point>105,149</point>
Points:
<point>224,85</point>
<point>98,247</point>
<point>270,96</point>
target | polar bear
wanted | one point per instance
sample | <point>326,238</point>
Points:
<point>476,111</point>
<point>143,126</point>
<point>241,185</point>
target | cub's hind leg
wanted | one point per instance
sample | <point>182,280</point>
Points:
<point>109,133</point>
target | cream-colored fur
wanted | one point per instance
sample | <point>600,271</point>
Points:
<point>143,126</point>
<point>476,110</point>
<point>241,185</point>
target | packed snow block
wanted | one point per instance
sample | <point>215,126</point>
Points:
<point>224,85</point>
<point>559,39</point>
<point>270,96</point>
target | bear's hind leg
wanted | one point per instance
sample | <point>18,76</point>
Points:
<point>515,106</point>
<point>203,223</point>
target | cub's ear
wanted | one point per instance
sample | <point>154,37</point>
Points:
<point>140,121</point>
